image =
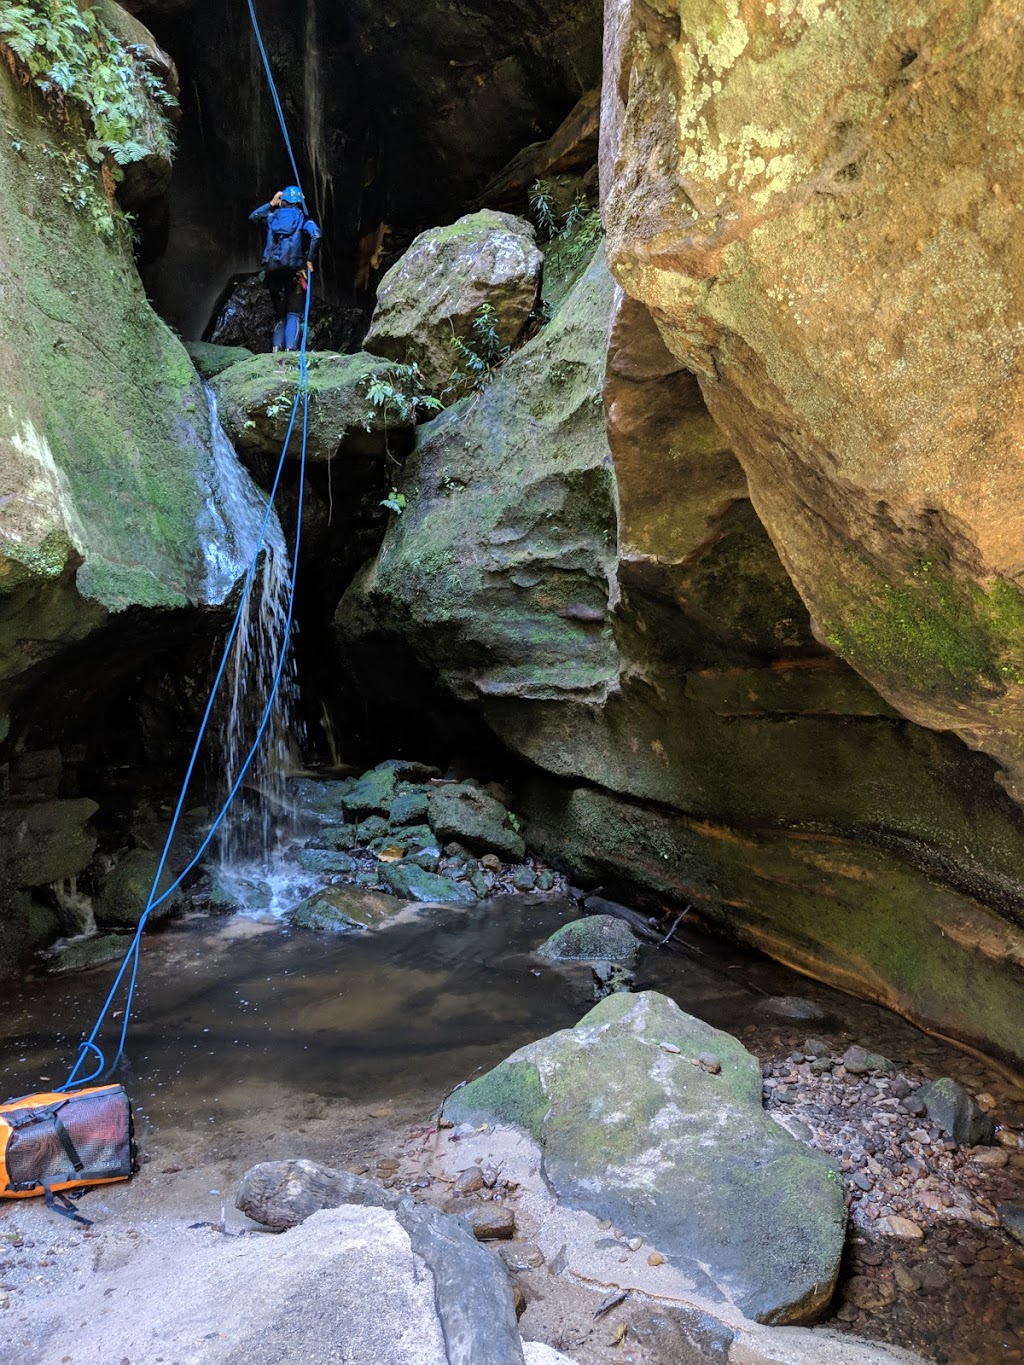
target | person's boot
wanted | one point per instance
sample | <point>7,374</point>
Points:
<point>291,333</point>
<point>279,335</point>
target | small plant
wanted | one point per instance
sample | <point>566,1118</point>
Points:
<point>542,208</point>
<point>400,393</point>
<point>478,357</point>
<point>394,502</point>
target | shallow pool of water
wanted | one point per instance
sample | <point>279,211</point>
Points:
<point>226,1007</point>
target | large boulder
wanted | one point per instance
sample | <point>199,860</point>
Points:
<point>471,816</point>
<point>127,888</point>
<point>436,291</point>
<point>636,1125</point>
<point>44,841</point>
<point>256,396</point>
<point>500,575</point>
<point>113,489</point>
<point>820,207</point>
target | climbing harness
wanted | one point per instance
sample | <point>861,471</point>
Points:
<point>67,1138</point>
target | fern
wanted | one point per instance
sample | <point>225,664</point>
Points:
<point>75,61</point>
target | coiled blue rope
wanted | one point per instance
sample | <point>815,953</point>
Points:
<point>129,968</point>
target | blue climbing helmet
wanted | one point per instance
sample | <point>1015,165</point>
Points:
<point>292,195</point>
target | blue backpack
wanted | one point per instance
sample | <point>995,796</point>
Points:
<point>286,238</point>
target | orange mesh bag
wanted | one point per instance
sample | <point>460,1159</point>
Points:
<point>50,1143</point>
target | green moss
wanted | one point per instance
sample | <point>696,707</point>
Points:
<point>933,631</point>
<point>512,1092</point>
<point>845,912</point>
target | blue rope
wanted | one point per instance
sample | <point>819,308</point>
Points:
<point>130,963</point>
<point>274,96</point>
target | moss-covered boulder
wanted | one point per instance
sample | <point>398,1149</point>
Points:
<point>471,816</point>
<point>415,883</point>
<point>373,793</point>
<point>500,574</point>
<point>122,900</point>
<point>435,292</point>
<point>211,360</point>
<point>44,841</point>
<point>832,246</point>
<point>632,1128</point>
<point>344,910</point>
<point>255,398</point>
<point>596,938</point>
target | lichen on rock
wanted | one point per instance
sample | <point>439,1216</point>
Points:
<point>819,206</point>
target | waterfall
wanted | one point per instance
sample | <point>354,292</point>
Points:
<point>258,823</point>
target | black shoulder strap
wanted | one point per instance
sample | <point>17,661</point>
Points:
<point>58,1202</point>
<point>70,1150</point>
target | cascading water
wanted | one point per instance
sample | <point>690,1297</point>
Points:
<point>260,825</point>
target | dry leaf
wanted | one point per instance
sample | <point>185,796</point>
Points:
<point>391,854</point>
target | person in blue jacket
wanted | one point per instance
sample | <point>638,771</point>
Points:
<point>287,261</point>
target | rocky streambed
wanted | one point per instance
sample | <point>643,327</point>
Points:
<point>256,1043</point>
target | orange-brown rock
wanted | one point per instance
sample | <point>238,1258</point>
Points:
<point>572,148</point>
<point>820,204</point>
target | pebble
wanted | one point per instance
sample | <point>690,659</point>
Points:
<point>470,1181</point>
<point>907,1279</point>
<point>668,1047</point>
<point>519,1256</point>
<point>709,1062</point>
<point>655,1258</point>
<point>490,1222</point>
<point>904,1229</point>
<point>635,1243</point>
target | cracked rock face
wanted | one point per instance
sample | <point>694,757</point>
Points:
<point>637,1126</point>
<point>818,203</point>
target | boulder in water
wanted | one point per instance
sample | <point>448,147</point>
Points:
<point>406,879</point>
<point>79,954</point>
<point>122,901</point>
<point>632,1128</point>
<point>344,910</point>
<point>595,938</point>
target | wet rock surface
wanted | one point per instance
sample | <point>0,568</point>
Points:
<point>400,831</point>
<point>596,938</point>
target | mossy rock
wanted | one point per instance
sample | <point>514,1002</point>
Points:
<point>255,399</point>
<point>412,882</point>
<point>373,793</point>
<point>344,910</point>
<point>325,860</point>
<point>595,938</point>
<point>408,808</point>
<point>473,817</point>
<point>211,360</point>
<point>44,841</point>
<point>435,292</point>
<point>632,1129</point>
<point>81,954</point>
<point>122,901</point>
